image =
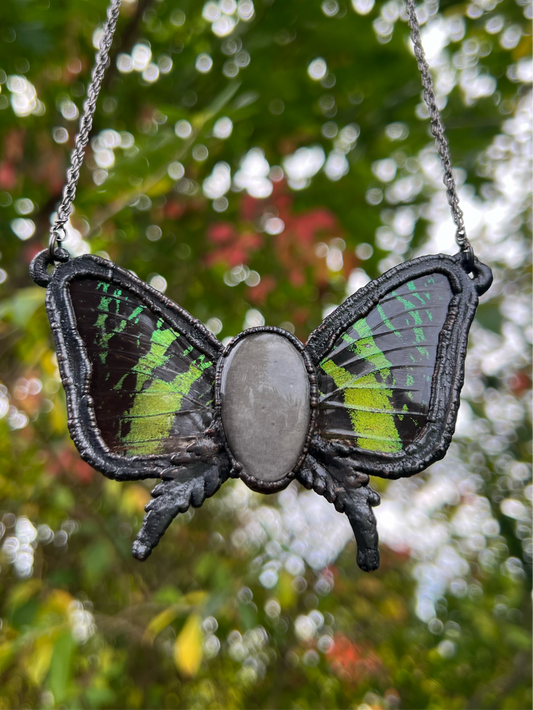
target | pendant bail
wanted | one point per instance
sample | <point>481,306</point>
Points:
<point>43,260</point>
<point>467,251</point>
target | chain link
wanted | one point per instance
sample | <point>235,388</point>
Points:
<point>437,130</point>
<point>58,233</point>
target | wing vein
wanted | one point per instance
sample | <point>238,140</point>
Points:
<point>361,435</point>
<point>354,378</point>
<point>341,405</point>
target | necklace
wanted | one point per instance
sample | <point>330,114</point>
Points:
<point>152,393</point>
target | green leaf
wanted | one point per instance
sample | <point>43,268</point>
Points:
<point>519,638</point>
<point>98,559</point>
<point>20,308</point>
<point>60,666</point>
<point>100,697</point>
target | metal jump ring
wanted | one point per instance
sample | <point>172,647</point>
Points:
<point>57,235</point>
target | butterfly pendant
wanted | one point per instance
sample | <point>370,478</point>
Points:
<point>152,393</point>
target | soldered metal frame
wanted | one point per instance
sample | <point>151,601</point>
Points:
<point>237,468</point>
<point>448,377</point>
<point>332,467</point>
<point>76,369</point>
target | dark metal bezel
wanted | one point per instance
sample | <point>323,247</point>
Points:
<point>75,367</point>
<point>237,468</point>
<point>448,376</point>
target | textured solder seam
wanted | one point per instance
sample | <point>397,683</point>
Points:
<point>238,470</point>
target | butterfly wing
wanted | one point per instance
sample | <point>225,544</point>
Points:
<point>138,370</point>
<point>390,365</point>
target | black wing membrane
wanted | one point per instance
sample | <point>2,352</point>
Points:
<point>138,370</point>
<point>390,366</point>
<point>151,388</point>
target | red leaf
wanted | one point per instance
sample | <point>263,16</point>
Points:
<point>8,175</point>
<point>221,232</point>
<point>351,661</point>
<point>258,294</point>
<point>174,210</point>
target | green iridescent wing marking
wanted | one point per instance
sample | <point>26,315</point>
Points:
<point>375,384</point>
<point>152,389</point>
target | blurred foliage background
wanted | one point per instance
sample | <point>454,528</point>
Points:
<point>258,161</point>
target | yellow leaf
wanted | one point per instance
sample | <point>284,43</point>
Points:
<point>287,593</point>
<point>134,498</point>
<point>523,49</point>
<point>23,592</point>
<point>195,598</point>
<point>160,622</point>
<point>57,417</point>
<point>7,651</point>
<point>113,490</point>
<point>188,649</point>
<point>394,608</point>
<point>58,602</point>
<point>135,698</point>
<point>160,187</point>
<point>39,661</point>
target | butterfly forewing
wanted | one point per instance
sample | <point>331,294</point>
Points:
<point>375,384</point>
<point>152,389</point>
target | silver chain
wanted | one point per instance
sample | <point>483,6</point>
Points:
<point>437,130</point>
<point>57,231</point>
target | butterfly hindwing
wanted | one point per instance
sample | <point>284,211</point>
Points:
<point>375,384</point>
<point>139,371</point>
<point>390,364</point>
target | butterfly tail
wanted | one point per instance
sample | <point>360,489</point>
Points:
<point>349,492</point>
<point>174,496</point>
<point>358,504</point>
